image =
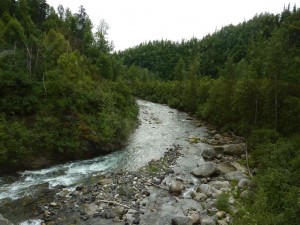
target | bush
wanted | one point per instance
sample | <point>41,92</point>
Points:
<point>223,202</point>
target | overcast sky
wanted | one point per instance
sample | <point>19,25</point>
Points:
<point>135,21</point>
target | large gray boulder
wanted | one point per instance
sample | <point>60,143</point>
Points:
<point>206,169</point>
<point>236,175</point>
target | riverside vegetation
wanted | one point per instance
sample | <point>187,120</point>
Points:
<point>245,79</point>
<point>58,100</point>
<point>62,93</point>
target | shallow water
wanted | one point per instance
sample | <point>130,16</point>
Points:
<point>160,128</point>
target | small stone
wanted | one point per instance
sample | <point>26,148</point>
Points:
<point>208,221</point>
<point>194,217</point>
<point>119,211</point>
<point>231,200</point>
<point>244,183</point>
<point>225,190</point>
<point>220,184</point>
<point>203,180</point>
<point>105,181</point>
<point>84,218</point>
<point>199,197</point>
<point>180,220</point>
<point>79,188</point>
<point>175,187</point>
<point>222,222</point>
<point>136,221</point>
<point>236,175</point>
<point>97,214</point>
<point>53,204</point>
<point>221,214</point>
<point>208,153</point>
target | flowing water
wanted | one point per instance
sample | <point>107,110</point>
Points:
<point>160,128</point>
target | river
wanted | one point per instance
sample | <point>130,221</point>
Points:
<point>160,128</point>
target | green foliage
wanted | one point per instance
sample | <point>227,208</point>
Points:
<point>222,202</point>
<point>56,95</point>
<point>260,136</point>
<point>16,143</point>
<point>14,31</point>
<point>276,199</point>
<point>256,94</point>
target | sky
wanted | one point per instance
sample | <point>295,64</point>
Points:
<point>132,22</point>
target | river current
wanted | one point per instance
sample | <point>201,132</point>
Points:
<point>160,127</point>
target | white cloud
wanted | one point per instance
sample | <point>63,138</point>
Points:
<point>135,21</point>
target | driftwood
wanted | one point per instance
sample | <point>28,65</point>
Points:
<point>115,203</point>
<point>148,182</point>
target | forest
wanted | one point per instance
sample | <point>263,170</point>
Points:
<point>244,79</point>
<point>66,95</point>
<point>58,100</point>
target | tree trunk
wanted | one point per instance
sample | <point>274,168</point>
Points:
<point>29,59</point>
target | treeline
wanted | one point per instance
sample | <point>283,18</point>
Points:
<point>57,97</point>
<point>245,79</point>
<point>213,50</point>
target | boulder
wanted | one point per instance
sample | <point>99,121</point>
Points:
<point>238,167</point>
<point>194,217</point>
<point>175,187</point>
<point>208,221</point>
<point>199,197</point>
<point>208,190</point>
<point>89,209</point>
<point>236,175</point>
<point>191,219</point>
<point>119,211</point>
<point>222,222</point>
<point>209,154</point>
<point>206,169</point>
<point>218,137</point>
<point>231,149</point>
<point>180,220</point>
<point>221,214</point>
<point>220,184</point>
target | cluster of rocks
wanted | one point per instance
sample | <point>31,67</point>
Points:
<point>200,198</point>
<point>114,198</point>
<point>159,193</point>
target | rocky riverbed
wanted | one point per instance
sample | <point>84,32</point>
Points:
<point>180,188</point>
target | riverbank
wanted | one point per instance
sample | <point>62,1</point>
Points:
<point>178,188</point>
